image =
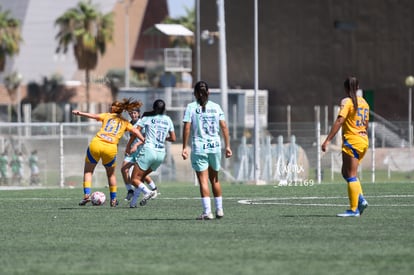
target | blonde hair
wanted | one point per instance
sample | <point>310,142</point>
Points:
<point>126,105</point>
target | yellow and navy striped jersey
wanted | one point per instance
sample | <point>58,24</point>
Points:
<point>356,122</point>
<point>113,127</point>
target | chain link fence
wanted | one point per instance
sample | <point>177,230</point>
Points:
<point>289,155</point>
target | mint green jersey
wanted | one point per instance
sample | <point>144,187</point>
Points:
<point>205,127</point>
<point>156,129</point>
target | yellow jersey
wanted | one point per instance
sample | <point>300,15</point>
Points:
<point>355,121</point>
<point>113,127</point>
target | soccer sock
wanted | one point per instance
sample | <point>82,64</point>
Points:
<point>112,192</point>
<point>137,192</point>
<point>143,188</point>
<point>354,189</point>
<point>87,187</point>
<point>218,202</point>
<point>129,186</point>
<point>206,202</point>
<point>152,185</point>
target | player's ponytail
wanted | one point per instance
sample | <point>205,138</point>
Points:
<point>132,105</point>
<point>126,105</point>
<point>201,93</point>
<point>351,86</point>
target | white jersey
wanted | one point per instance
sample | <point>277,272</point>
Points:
<point>205,127</point>
<point>156,129</point>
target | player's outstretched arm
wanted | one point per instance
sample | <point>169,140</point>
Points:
<point>88,115</point>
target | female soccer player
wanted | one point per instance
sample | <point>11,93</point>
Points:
<point>204,119</point>
<point>34,168</point>
<point>353,117</point>
<point>105,145</point>
<point>130,159</point>
<point>158,128</point>
<point>4,162</point>
<point>16,164</point>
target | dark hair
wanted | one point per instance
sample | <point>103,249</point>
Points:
<point>158,108</point>
<point>201,93</point>
<point>351,86</point>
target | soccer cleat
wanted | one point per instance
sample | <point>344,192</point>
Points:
<point>146,198</point>
<point>114,203</point>
<point>85,200</point>
<point>129,195</point>
<point>204,216</point>
<point>219,213</point>
<point>156,193</point>
<point>349,213</point>
<point>134,200</point>
<point>133,203</point>
<point>362,204</point>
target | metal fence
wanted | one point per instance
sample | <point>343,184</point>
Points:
<point>289,155</point>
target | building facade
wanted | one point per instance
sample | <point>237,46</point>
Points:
<point>307,49</point>
<point>38,59</point>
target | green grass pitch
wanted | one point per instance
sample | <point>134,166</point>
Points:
<point>266,230</point>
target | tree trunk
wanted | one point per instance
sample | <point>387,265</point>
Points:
<point>87,60</point>
<point>87,79</point>
<point>2,62</point>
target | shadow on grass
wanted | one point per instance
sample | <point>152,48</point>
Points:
<point>308,216</point>
<point>71,208</point>
<point>87,208</point>
<point>167,219</point>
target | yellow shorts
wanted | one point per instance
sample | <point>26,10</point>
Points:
<point>355,146</point>
<point>99,149</point>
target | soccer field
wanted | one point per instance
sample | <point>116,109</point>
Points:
<point>266,230</point>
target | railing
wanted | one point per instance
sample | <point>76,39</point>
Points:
<point>289,153</point>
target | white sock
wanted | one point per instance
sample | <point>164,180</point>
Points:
<point>152,185</point>
<point>129,186</point>
<point>206,202</point>
<point>218,201</point>
<point>144,188</point>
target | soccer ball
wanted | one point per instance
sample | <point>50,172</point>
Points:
<point>98,198</point>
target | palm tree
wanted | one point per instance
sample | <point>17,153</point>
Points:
<point>89,31</point>
<point>10,37</point>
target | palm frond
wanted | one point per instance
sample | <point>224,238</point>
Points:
<point>85,27</point>
<point>10,34</point>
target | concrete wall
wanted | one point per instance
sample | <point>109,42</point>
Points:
<point>307,49</point>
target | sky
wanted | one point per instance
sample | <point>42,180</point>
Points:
<point>176,7</point>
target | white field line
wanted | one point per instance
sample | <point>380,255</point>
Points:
<point>289,201</point>
<point>294,201</point>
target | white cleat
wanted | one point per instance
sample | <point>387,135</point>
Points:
<point>147,198</point>
<point>349,213</point>
<point>219,213</point>
<point>203,216</point>
<point>156,193</point>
